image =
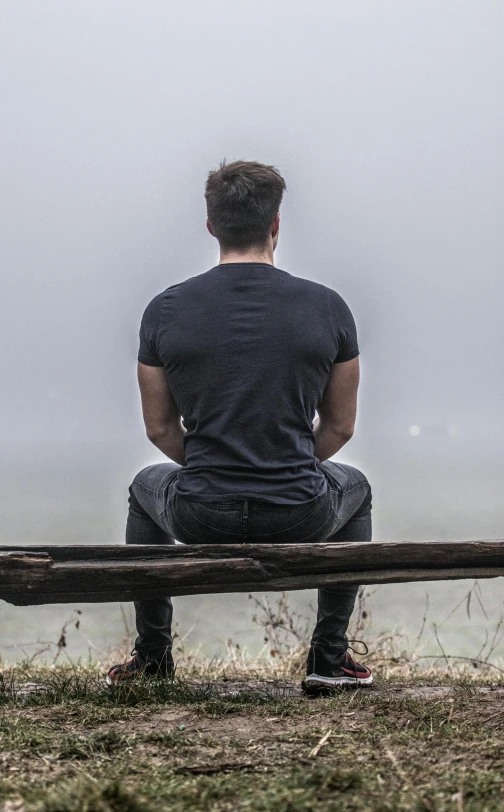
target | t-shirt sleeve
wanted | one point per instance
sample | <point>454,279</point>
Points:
<point>147,353</point>
<point>344,328</point>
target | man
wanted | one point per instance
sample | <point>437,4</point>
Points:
<point>232,365</point>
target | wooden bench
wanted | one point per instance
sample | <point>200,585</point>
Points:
<point>82,573</point>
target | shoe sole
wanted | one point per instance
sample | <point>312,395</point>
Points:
<point>315,683</point>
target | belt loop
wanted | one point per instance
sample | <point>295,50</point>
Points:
<point>245,509</point>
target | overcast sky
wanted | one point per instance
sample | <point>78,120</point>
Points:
<point>385,118</point>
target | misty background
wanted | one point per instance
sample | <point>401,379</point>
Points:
<point>385,119</point>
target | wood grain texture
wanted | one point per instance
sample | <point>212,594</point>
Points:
<point>374,554</point>
<point>50,574</point>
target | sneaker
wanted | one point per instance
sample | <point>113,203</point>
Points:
<point>323,677</point>
<point>161,667</point>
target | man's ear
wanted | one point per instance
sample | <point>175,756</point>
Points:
<point>209,226</point>
<point>275,225</point>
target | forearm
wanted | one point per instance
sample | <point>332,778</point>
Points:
<point>170,440</point>
<point>328,440</point>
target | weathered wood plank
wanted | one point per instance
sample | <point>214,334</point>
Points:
<point>50,574</point>
<point>20,566</point>
<point>113,575</point>
<point>300,557</point>
<point>33,597</point>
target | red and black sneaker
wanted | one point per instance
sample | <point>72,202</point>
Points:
<point>323,676</point>
<point>161,667</point>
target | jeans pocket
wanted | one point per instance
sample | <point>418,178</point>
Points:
<point>293,525</point>
<point>208,526</point>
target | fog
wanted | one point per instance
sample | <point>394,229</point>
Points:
<point>385,120</point>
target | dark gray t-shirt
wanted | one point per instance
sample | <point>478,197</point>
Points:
<point>248,349</point>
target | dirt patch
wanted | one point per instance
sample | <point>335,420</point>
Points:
<point>355,709</point>
<point>258,744</point>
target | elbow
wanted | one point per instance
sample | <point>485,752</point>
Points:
<point>155,433</point>
<point>341,430</point>
<point>347,433</point>
<point>344,432</point>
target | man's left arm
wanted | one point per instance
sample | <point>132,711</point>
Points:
<point>162,418</point>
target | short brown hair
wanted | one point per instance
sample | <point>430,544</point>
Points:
<point>242,199</point>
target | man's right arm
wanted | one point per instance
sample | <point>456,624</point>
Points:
<point>337,410</point>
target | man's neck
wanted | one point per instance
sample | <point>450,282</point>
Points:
<point>264,256</point>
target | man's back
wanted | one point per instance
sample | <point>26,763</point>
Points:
<point>248,350</point>
<point>245,353</point>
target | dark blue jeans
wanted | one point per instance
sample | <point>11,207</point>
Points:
<point>158,515</point>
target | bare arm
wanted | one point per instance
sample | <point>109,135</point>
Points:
<point>337,410</point>
<point>162,418</point>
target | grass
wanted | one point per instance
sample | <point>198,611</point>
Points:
<point>171,748</point>
<point>238,735</point>
<point>406,744</point>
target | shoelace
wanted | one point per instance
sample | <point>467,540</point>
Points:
<point>359,653</point>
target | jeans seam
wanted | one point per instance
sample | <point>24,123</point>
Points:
<point>156,491</point>
<point>353,488</point>
<point>284,529</point>
<point>177,521</point>
<point>188,533</point>
<point>207,526</point>
<point>146,488</point>
<point>300,541</point>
